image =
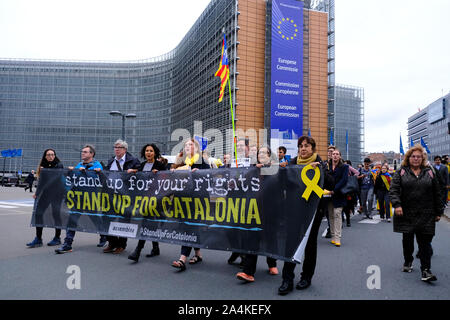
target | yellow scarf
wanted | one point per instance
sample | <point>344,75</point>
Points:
<point>307,161</point>
<point>190,161</point>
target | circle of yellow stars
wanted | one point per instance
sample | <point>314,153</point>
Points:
<point>291,21</point>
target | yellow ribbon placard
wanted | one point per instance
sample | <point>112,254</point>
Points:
<point>311,185</point>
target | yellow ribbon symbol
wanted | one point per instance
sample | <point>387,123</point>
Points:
<point>311,185</point>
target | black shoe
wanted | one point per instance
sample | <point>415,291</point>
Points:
<point>154,252</point>
<point>428,276</point>
<point>286,287</point>
<point>303,284</point>
<point>135,255</point>
<point>328,235</point>
<point>369,217</point>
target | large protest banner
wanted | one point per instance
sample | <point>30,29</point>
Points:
<point>237,209</point>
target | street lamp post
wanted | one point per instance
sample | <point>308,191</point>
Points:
<point>123,115</point>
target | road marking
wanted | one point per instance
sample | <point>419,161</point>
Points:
<point>7,204</point>
<point>7,207</point>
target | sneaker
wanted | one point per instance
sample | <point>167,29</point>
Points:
<point>337,244</point>
<point>245,277</point>
<point>273,271</point>
<point>407,267</point>
<point>64,249</point>
<point>35,243</point>
<point>102,242</point>
<point>428,276</point>
<point>55,242</point>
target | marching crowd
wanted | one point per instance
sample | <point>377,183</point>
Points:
<point>414,196</point>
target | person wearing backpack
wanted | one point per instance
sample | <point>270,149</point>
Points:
<point>416,197</point>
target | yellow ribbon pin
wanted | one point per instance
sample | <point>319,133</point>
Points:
<point>311,185</point>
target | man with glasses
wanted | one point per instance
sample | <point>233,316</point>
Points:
<point>87,163</point>
<point>121,161</point>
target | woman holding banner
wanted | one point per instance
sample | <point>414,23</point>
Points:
<point>150,152</point>
<point>189,159</point>
<point>250,260</point>
<point>49,161</point>
<point>307,156</point>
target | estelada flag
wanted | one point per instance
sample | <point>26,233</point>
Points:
<point>224,69</point>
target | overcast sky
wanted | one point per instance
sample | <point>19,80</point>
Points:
<point>398,51</point>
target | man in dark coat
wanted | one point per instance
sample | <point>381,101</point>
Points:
<point>442,174</point>
<point>29,180</point>
<point>121,161</point>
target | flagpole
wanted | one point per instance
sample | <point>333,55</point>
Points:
<point>232,120</point>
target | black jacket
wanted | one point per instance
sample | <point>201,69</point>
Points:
<point>130,162</point>
<point>379,185</point>
<point>157,165</point>
<point>419,197</point>
<point>328,182</point>
<point>340,175</point>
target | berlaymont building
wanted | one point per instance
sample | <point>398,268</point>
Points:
<point>281,60</point>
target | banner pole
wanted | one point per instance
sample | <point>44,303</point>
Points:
<point>232,120</point>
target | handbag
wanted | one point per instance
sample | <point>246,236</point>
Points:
<point>352,185</point>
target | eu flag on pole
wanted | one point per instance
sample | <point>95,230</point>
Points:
<point>422,142</point>
<point>402,152</point>
<point>331,138</point>
<point>224,69</point>
<point>346,141</point>
<point>411,143</point>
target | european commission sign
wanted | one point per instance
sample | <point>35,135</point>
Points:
<point>286,118</point>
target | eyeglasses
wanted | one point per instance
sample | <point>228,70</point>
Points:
<point>416,157</point>
<point>50,155</point>
<point>119,147</point>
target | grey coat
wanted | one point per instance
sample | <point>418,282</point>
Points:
<point>419,198</point>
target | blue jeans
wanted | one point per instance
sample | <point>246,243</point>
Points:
<point>367,200</point>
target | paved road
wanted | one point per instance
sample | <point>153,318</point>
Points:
<point>341,273</point>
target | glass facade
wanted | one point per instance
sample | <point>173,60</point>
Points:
<point>432,124</point>
<point>349,117</point>
<point>66,104</point>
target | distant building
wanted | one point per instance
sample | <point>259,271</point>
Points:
<point>349,117</point>
<point>65,104</point>
<point>432,124</point>
<point>378,158</point>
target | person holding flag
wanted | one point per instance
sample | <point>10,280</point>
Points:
<point>381,189</point>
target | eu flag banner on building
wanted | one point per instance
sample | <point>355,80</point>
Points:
<point>223,70</point>
<point>422,142</point>
<point>411,143</point>
<point>402,152</point>
<point>331,138</point>
<point>286,70</point>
